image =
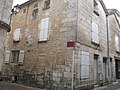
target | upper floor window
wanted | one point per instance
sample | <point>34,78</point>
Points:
<point>46,4</point>
<point>36,5</point>
<point>16,35</point>
<point>95,33</point>
<point>44,30</point>
<point>24,10</point>
<point>96,7</point>
<point>35,13</point>
<point>117,43</point>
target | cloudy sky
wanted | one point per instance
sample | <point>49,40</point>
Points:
<point>109,3</point>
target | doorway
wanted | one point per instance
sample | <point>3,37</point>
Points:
<point>96,75</point>
<point>117,66</point>
<point>105,69</point>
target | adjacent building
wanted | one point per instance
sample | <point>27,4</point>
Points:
<point>5,14</point>
<point>61,44</point>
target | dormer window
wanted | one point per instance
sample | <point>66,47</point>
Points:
<point>46,4</point>
<point>96,8</point>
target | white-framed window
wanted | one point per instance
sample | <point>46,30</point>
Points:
<point>117,43</point>
<point>85,64</point>
<point>16,35</point>
<point>95,33</point>
<point>44,30</point>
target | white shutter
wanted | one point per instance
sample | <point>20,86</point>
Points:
<point>85,64</point>
<point>16,36</point>
<point>7,57</point>
<point>117,43</point>
<point>21,56</point>
<point>44,29</point>
<point>95,33</point>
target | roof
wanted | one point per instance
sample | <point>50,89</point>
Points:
<point>26,3</point>
<point>104,7</point>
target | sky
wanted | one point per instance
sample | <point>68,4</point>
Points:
<point>109,3</point>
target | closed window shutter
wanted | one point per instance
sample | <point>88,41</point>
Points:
<point>95,33</point>
<point>44,30</point>
<point>7,57</point>
<point>85,64</point>
<point>21,57</point>
<point>17,35</point>
<point>117,43</point>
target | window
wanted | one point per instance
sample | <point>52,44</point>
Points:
<point>24,10</point>
<point>36,5</point>
<point>96,7</point>
<point>16,56</point>
<point>16,36</point>
<point>85,64</point>
<point>44,29</point>
<point>95,33</point>
<point>35,13</point>
<point>117,43</point>
<point>47,4</point>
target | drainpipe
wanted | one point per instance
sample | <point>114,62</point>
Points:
<point>73,65</point>
<point>108,48</point>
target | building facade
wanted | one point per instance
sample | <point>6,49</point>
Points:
<point>59,44</point>
<point>5,13</point>
<point>114,29</point>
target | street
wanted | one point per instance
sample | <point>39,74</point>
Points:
<point>11,86</point>
<point>114,86</point>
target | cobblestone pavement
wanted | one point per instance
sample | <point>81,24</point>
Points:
<point>11,86</point>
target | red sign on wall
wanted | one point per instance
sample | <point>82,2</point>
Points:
<point>71,44</point>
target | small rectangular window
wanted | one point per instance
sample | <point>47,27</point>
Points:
<point>24,10</point>
<point>46,4</point>
<point>36,5</point>
<point>35,13</point>
<point>96,8</point>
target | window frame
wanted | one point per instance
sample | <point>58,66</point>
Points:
<point>16,38</point>
<point>85,65</point>
<point>43,29</point>
<point>45,4</point>
<point>96,33</point>
<point>35,13</point>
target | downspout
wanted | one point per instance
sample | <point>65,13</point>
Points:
<point>108,48</point>
<point>73,53</point>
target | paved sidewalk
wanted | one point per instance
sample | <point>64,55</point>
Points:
<point>12,86</point>
<point>113,86</point>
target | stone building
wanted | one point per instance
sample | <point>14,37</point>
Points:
<point>5,13</point>
<point>114,32</point>
<point>59,43</point>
